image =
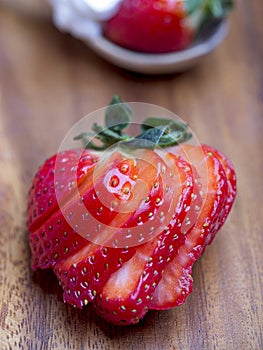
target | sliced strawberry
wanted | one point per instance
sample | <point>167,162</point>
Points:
<point>176,283</point>
<point>124,227</point>
<point>126,296</point>
<point>87,270</point>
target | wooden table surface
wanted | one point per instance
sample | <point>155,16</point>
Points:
<point>48,82</point>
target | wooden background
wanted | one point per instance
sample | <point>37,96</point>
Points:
<point>48,82</point>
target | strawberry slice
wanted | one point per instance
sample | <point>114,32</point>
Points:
<point>126,296</point>
<point>176,283</point>
<point>231,188</point>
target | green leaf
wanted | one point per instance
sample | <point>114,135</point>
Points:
<point>175,131</point>
<point>154,134</point>
<point>170,139</point>
<point>211,8</point>
<point>193,5</point>
<point>174,139</point>
<point>148,139</point>
<point>174,125</point>
<point>118,115</point>
<point>109,136</point>
<point>217,8</point>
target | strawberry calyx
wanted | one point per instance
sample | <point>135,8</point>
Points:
<point>211,8</point>
<point>204,14</point>
<point>160,132</point>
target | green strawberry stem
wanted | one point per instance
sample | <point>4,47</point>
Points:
<point>202,13</point>
<point>210,8</point>
<point>160,132</point>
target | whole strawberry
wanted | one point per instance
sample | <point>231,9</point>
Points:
<point>160,26</point>
<point>122,222</point>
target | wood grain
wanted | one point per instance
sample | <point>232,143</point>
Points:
<point>49,81</point>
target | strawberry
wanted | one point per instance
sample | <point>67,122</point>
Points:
<point>121,222</point>
<point>161,25</point>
